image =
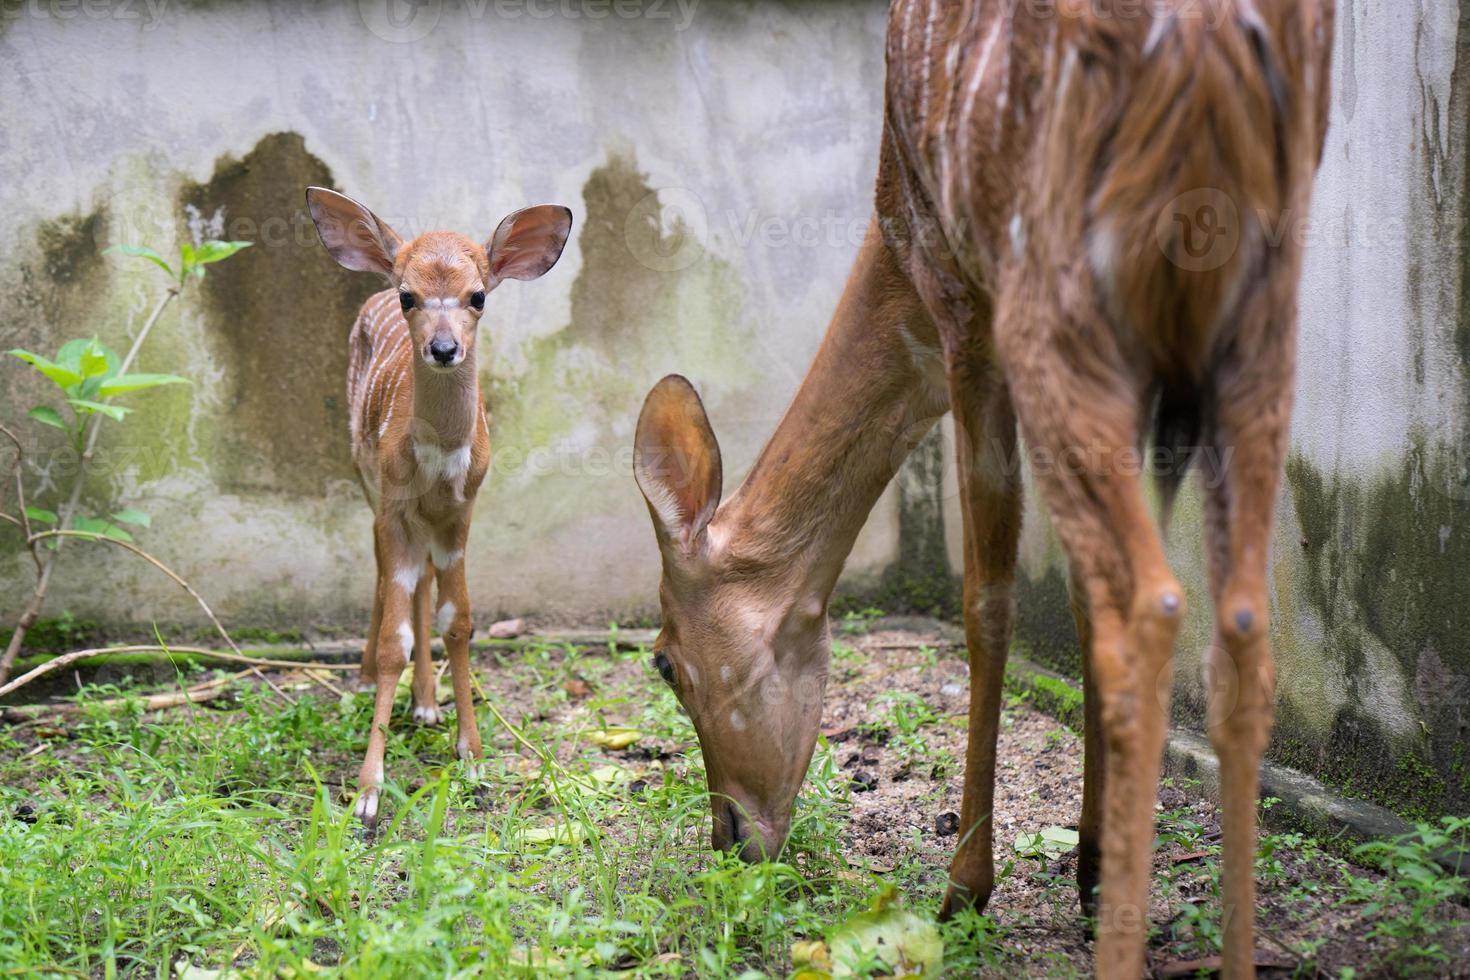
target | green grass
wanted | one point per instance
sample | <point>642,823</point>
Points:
<point>137,845</point>
<point>219,838</point>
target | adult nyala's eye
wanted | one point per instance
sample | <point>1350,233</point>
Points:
<point>665,668</point>
<point>405,300</point>
<point>477,299</point>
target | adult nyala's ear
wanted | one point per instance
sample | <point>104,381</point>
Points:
<point>358,239</point>
<point>676,461</point>
<point>529,241</point>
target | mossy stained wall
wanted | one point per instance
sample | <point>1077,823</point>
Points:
<point>718,159</point>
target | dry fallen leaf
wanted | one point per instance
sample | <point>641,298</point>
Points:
<point>812,953</point>
<point>614,738</point>
<point>560,833</point>
<point>577,689</point>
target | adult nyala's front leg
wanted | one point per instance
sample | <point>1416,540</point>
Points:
<point>456,626</point>
<point>399,572</point>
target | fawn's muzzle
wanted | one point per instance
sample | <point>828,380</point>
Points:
<point>443,349</point>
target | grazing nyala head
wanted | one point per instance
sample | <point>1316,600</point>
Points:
<point>745,653</point>
<point>442,277</point>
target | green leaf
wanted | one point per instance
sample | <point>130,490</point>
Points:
<point>142,252</point>
<point>137,382</point>
<point>91,359</point>
<point>96,525</point>
<point>49,416</point>
<point>1051,842</point>
<point>115,412</point>
<point>94,360</point>
<point>41,515</point>
<point>62,377</point>
<point>133,517</point>
<point>898,941</point>
<point>217,251</point>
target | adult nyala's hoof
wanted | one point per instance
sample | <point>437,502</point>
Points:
<point>958,898</point>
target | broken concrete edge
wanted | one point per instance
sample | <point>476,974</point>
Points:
<point>1339,824</point>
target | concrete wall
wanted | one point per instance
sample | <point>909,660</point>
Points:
<point>719,158</point>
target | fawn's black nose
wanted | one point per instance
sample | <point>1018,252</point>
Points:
<point>443,349</point>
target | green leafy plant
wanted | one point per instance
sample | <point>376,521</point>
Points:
<point>1408,903</point>
<point>88,376</point>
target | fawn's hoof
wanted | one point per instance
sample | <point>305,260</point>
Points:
<point>470,756</point>
<point>428,714</point>
<point>366,810</point>
<point>365,684</point>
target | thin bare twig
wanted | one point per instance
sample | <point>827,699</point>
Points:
<point>17,469</point>
<point>206,691</point>
<point>95,536</point>
<point>66,659</point>
<point>46,564</point>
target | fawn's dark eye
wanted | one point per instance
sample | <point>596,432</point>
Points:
<point>477,299</point>
<point>405,300</point>
<point>665,668</point>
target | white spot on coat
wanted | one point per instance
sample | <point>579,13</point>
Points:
<point>737,721</point>
<point>444,557</point>
<point>446,616</point>
<point>408,577</point>
<point>405,636</point>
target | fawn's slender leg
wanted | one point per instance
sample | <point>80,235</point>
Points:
<point>399,570</point>
<point>1090,826</point>
<point>1252,427</point>
<point>990,486</point>
<point>1092,485</point>
<point>367,677</point>
<point>425,698</point>
<point>457,625</point>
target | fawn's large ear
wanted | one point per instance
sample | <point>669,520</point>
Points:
<point>358,239</point>
<point>529,241</point>
<point>676,461</point>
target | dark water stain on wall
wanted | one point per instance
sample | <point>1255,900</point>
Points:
<point>919,580</point>
<point>1044,620</point>
<point>279,313</point>
<point>1388,562</point>
<point>645,295</point>
<point>58,290</point>
<point>62,283</point>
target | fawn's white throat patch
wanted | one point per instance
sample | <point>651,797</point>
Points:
<point>442,464</point>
